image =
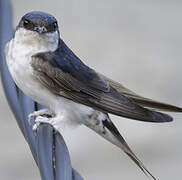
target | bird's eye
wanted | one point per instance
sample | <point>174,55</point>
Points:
<point>55,25</point>
<point>26,23</point>
<point>52,27</point>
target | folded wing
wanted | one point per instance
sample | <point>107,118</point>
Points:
<point>142,101</point>
<point>94,90</point>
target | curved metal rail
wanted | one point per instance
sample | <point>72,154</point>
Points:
<point>48,147</point>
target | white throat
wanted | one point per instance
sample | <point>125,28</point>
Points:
<point>31,42</point>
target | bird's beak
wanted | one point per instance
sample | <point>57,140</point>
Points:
<point>40,29</point>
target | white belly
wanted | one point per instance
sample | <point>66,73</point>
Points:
<point>22,73</point>
<point>27,82</point>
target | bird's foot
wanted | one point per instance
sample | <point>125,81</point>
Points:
<point>54,121</point>
<point>41,119</point>
<point>42,112</point>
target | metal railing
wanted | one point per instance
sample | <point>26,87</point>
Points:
<point>47,146</point>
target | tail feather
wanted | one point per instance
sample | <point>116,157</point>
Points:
<point>124,146</point>
<point>112,134</point>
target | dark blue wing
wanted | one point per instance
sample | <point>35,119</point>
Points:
<point>68,62</point>
<point>64,74</point>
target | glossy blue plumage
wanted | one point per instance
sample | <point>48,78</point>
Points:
<point>68,62</point>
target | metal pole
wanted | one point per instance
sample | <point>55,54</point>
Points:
<point>48,147</point>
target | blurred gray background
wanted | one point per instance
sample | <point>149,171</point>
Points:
<point>137,43</point>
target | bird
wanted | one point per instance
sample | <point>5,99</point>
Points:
<point>48,71</point>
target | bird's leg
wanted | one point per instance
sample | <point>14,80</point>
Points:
<point>41,119</point>
<point>56,121</point>
<point>42,112</point>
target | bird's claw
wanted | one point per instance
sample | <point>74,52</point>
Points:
<point>42,112</point>
<point>31,116</point>
<point>39,120</point>
<point>34,115</point>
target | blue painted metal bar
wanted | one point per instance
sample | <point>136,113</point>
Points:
<point>65,170</point>
<point>6,33</point>
<point>48,148</point>
<point>44,141</point>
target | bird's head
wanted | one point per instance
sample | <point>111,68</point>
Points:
<point>39,22</point>
<point>38,27</point>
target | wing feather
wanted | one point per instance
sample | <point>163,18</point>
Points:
<point>145,102</point>
<point>64,84</point>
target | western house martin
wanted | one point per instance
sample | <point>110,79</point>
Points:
<point>45,69</point>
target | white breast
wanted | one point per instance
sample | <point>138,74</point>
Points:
<point>18,56</point>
